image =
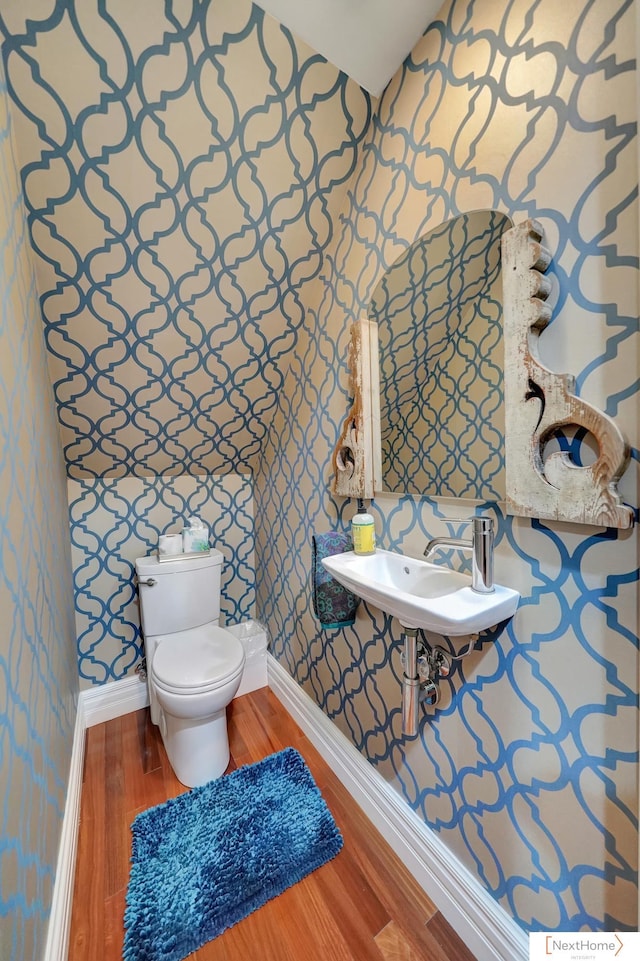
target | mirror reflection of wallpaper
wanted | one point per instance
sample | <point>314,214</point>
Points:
<point>439,314</point>
<point>528,771</point>
<point>183,167</point>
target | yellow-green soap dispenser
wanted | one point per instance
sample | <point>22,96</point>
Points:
<point>363,530</point>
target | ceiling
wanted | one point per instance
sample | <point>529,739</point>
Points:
<point>366,39</point>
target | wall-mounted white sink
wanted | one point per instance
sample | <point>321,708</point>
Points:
<point>421,594</point>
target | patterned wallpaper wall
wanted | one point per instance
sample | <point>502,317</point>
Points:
<point>113,521</point>
<point>38,675</point>
<point>529,769</point>
<point>183,168</point>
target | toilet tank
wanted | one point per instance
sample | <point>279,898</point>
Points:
<point>186,592</point>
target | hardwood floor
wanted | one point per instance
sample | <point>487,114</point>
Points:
<point>362,905</point>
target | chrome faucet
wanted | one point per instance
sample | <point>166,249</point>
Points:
<point>481,546</point>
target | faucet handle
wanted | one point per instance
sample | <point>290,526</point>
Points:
<point>482,523</point>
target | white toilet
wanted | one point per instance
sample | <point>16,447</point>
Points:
<point>194,667</point>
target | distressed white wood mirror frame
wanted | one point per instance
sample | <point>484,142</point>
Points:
<point>538,404</point>
<point>356,458</point>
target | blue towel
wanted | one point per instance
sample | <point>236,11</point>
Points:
<point>333,604</point>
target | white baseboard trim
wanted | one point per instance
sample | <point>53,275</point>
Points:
<point>105,701</point>
<point>94,706</point>
<point>487,930</point>
<point>57,945</point>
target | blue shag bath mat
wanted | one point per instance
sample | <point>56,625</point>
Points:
<point>208,858</point>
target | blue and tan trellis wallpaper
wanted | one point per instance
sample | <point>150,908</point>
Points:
<point>38,674</point>
<point>211,208</point>
<point>182,183</point>
<point>113,521</point>
<point>183,167</point>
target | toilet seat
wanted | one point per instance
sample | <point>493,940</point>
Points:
<point>198,660</point>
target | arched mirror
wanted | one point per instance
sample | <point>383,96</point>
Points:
<point>438,311</point>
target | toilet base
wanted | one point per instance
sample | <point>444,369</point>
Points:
<point>198,750</point>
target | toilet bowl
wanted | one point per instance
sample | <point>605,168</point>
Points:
<point>195,675</point>
<point>194,667</point>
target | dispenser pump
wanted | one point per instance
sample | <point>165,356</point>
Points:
<point>363,530</point>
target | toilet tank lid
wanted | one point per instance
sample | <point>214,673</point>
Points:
<point>151,565</point>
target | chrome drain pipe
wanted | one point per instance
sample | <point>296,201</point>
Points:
<point>423,666</point>
<point>410,682</point>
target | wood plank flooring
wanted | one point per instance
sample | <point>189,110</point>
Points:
<point>363,905</point>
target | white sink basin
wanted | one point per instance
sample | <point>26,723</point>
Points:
<point>421,594</point>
